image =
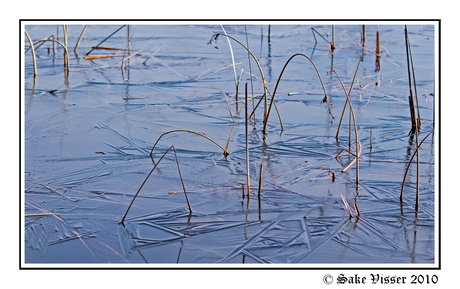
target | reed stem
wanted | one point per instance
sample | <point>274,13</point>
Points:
<point>79,38</point>
<point>260,178</point>
<point>66,54</point>
<point>33,55</point>
<point>269,32</point>
<point>364,35</point>
<point>143,183</point>
<point>411,96</point>
<point>247,141</point>
<point>407,169</point>
<point>106,38</point>
<point>233,60</point>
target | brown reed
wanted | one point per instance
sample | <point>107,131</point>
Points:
<point>154,167</point>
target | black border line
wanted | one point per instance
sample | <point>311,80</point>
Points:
<point>133,267</point>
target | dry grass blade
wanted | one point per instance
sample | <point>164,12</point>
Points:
<point>154,167</point>
<point>226,153</point>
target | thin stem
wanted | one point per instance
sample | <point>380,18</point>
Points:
<point>66,54</point>
<point>411,96</point>
<point>106,38</point>
<point>79,38</point>
<point>250,68</point>
<point>233,59</point>
<point>313,30</point>
<point>408,166</point>
<point>247,141</point>
<point>260,178</point>
<point>143,183</point>
<point>33,55</point>
<point>269,32</point>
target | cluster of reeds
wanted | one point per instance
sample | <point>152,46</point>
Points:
<point>64,45</point>
<point>126,52</point>
<point>268,99</point>
<point>267,110</point>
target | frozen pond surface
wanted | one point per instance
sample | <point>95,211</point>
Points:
<point>87,142</point>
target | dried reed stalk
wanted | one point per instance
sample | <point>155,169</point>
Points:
<point>66,53</point>
<point>233,60</point>
<point>92,57</point>
<point>154,167</point>
<point>260,178</point>
<point>364,35</point>
<point>411,96</point>
<point>377,43</point>
<point>79,38</point>
<point>332,43</point>
<point>33,55</point>
<point>269,32</point>
<point>247,141</point>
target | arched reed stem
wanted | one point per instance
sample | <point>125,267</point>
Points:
<point>215,36</point>
<point>66,53</point>
<point>279,78</point>
<point>33,55</point>
<point>189,131</point>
